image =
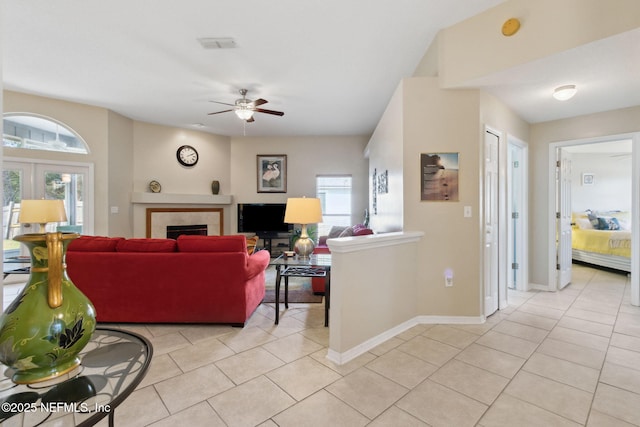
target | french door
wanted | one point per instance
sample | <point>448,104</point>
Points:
<point>70,183</point>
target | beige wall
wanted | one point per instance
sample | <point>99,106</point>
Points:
<point>120,175</point>
<point>448,122</point>
<point>570,23</point>
<point>307,156</point>
<point>385,152</point>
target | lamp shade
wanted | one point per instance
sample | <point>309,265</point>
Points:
<point>303,210</point>
<point>42,211</point>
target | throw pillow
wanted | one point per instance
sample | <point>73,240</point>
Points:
<point>251,244</point>
<point>593,219</point>
<point>608,223</point>
<point>347,232</point>
<point>361,230</point>
<point>336,231</point>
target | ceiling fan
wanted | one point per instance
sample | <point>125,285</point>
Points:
<point>244,107</point>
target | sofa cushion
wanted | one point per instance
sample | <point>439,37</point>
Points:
<point>146,245</point>
<point>94,244</point>
<point>196,243</point>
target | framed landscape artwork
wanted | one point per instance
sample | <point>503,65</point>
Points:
<point>272,173</point>
<point>439,177</point>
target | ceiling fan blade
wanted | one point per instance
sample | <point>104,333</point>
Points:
<point>223,103</point>
<point>275,113</point>
<point>250,120</point>
<point>218,112</point>
<point>259,102</point>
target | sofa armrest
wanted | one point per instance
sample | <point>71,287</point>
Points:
<point>257,263</point>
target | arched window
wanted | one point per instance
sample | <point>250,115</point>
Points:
<point>35,132</point>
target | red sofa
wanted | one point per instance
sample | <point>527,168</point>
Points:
<point>194,279</point>
<point>317,283</point>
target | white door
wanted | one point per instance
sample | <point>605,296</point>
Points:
<point>517,216</point>
<point>563,219</point>
<point>490,226</point>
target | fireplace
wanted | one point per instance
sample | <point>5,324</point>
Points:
<point>170,223</point>
<point>173,231</point>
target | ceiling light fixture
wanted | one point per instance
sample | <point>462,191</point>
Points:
<point>243,112</point>
<point>565,92</point>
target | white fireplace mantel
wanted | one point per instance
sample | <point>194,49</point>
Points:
<point>181,199</point>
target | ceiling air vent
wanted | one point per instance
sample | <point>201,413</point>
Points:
<point>217,42</point>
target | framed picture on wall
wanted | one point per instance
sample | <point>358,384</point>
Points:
<point>588,178</point>
<point>272,173</point>
<point>439,177</point>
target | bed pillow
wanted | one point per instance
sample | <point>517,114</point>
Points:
<point>584,224</point>
<point>593,218</point>
<point>608,223</point>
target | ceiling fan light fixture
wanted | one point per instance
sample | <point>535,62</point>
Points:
<point>565,92</point>
<point>244,113</point>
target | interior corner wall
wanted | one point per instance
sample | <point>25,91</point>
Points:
<point>614,122</point>
<point>120,211</point>
<point>91,123</point>
<point>385,150</point>
<point>307,156</point>
<point>444,121</point>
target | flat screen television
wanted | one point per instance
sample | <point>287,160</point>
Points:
<point>264,219</point>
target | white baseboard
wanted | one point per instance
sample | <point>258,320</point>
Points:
<point>352,353</point>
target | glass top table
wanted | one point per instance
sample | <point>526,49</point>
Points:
<point>315,266</point>
<point>112,365</point>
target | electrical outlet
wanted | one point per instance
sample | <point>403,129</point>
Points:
<point>448,281</point>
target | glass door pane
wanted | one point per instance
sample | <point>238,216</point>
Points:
<point>66,183</point>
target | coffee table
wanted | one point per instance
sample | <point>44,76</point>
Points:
<point>113,364</point>
<point>315,266</point>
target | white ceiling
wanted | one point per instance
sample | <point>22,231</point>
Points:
<point>330,65</point>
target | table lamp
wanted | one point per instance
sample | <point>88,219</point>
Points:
<point>303,211</point>
<point>42,211</point>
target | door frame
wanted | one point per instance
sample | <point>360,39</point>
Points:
<point>635,209</point>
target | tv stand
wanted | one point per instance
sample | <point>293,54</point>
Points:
<point>284,243</point>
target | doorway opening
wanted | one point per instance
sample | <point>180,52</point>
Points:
<point>594,179</point>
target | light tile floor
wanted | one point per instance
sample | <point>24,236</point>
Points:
<point>550,359</point>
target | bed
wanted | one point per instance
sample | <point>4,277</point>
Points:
<point>602,238</point>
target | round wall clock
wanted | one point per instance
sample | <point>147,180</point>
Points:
<point>187,155</point>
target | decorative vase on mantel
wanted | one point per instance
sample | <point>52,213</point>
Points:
<point>51,320</point>
<point>215,187</point>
